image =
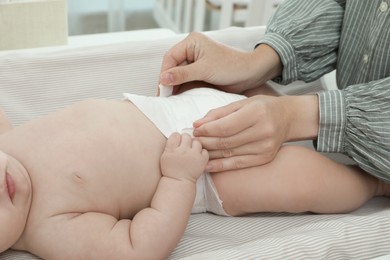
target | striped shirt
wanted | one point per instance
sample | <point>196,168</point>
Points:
<point>314,37</point>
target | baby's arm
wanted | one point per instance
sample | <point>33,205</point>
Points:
<point>182,162</point>
<point>152,234</point>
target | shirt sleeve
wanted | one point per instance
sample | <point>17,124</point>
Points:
<point>356,121</point>
<point>305,34</point>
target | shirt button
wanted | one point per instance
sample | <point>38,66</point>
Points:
<point>365,58</point>
<point>383,7</point>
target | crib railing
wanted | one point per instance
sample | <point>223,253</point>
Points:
<point>190,15</point>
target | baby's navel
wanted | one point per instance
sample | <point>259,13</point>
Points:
<point>77,178</point>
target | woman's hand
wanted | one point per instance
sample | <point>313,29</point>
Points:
<point>250,132</point>
<point>198,58</point>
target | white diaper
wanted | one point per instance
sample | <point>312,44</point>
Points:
<point>176,114</point>
<point>207,198</point>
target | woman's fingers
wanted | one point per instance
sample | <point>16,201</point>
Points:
<point>236,162</point>
<point>224,121</point>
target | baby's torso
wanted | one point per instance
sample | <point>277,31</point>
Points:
<point>96,156</point>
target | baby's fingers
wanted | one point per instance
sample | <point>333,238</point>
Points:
<point>196,145</point>
<point>186,141</point>
<point>173,142</point>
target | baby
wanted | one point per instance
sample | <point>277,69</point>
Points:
<point>100,179</point>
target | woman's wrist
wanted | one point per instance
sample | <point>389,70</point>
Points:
<point>303,117</point>
<point>267,63</point>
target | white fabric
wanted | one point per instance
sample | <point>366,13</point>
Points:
<point>35,84</point>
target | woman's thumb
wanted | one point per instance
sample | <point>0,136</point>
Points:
<point>181,74</point>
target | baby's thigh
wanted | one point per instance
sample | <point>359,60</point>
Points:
<point>238,189</point>
<point>288,183</point>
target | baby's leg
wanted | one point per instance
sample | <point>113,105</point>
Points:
<point>297,180</point>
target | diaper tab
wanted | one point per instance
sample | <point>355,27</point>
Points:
<point>165,91</point>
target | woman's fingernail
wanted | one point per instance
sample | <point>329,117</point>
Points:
<point>197,123</point>
<point>195,132</point>
<point>209,167</point>
<point>167,78</point>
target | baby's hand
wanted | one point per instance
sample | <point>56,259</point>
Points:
<point>183,158</point>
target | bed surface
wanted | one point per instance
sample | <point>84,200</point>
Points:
<point>33,84</point>
<point>363,234</point>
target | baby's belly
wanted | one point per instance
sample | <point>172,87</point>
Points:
<point>108,151</point>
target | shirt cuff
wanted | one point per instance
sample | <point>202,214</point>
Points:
<point>332,121</point>
<point>287,55</point>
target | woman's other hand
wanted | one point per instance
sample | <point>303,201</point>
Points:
<point>199,58</point>
<point>250,132</point>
